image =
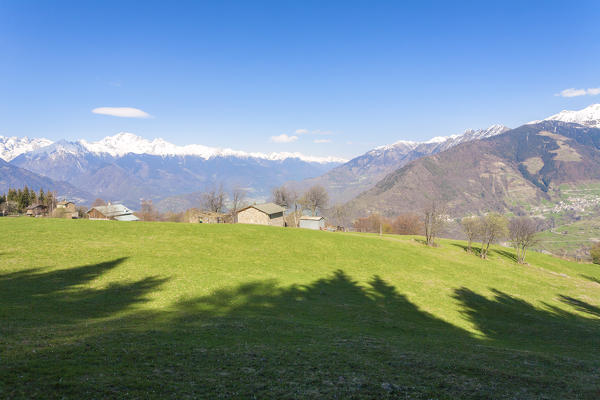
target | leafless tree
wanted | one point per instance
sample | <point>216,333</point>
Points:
<point>238,201</point>
<point>214,199</point>
<point>148,212</point>
<point>339,215</point>
<point>523,234</point>
<point>493,227</point>
<point>434,218</point>
<point>315,199</point>
<point>98,202</point>
<point>287,198</point>
<point>471,228</point>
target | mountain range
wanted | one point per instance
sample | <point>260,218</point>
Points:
<point>492,168</point>
<point>348,180</point>
<point>507,172</point>
<point>127,168</point>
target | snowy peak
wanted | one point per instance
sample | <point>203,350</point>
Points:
<point>11,147</point>
<point>125,143</point>
<point>589,116</point>
<point>445,142</point>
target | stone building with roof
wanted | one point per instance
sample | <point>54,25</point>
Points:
<point>116,212</point>
<point>262,214</point>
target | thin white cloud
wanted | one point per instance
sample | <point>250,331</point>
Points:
<point>572,92</point>
<point>313,132</point>
<point>322,141</point>
<point>123,112</point>
<point>283,138</point>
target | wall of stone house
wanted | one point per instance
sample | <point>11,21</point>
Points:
<point>253,216</point>
<point>279,221</point>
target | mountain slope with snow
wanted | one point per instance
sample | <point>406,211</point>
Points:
<point>11,147</point>
<point>127,168</point>
<point>361,173</point>
<point>124,143</point>
<point>589,116</point>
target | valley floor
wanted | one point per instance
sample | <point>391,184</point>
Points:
<point>101,309</point>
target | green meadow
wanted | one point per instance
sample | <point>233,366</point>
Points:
<point>99,309</point>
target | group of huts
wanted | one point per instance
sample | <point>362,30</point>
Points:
<point>258,214</point>
<point>273,214</point>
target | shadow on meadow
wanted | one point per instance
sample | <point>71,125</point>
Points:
<point>476,251</point>
<point>63,296</point>
<point>332,338</point>
<point>591,278</point>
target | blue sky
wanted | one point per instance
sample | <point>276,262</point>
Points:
<point>347,75</point>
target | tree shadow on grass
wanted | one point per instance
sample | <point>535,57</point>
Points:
<point>581,305</point>
<point>476,250</point>
<point>64,296</point>
<point>511,321</point>
<point>332,338</point>
<point>591,278</point>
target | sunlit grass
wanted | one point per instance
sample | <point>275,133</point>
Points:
<point>98,309</point>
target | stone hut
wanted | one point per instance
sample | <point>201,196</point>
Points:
<point>262,214</point>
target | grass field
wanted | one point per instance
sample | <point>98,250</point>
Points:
<point>97,309</point>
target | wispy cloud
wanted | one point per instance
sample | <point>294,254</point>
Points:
<point>313,132</point>
<point>322,141</point>
<point>572,92</point>
<point>283,138</point>
<point>124,112</point>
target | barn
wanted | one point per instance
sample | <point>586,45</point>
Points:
<point>262,214</point>
<point>117,212</point>
<point>37,209</point>
<point>316,223</point>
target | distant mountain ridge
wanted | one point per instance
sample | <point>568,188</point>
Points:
<point>361,173</point>
<point>129,168</point>
<point>11,147</point>
<point>506,172</point>
<point>589,116</point>
<point>124,143</point>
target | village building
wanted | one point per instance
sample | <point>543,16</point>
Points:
<point>195,216</point>
<point>67,205</point>
<point>262,214</point>
<point>117,212</point>
<point>316,223</point>
<point>35,210</point>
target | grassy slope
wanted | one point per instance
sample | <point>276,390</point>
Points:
<point>102,309</point>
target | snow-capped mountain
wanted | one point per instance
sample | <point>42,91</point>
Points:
<point>441,143</point>
<point>11,147</point>
<point>124,143</point>
<point>361,173</point>
<point>126,167</point>
<point>589,116</point>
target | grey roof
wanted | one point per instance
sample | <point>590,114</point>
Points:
<point>36,205</point>
<point>267,208</point>
<point>65,202</point>
<point>309,218</point>
<point>128,217</point>
<point>112,210</point>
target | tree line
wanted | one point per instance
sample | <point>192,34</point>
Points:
<point>16,201</point>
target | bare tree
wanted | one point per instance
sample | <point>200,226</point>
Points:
<point>214,199</point>
<point>339,215</point>
<point>493,227</point>
<point>315,199</point>
<point>287,198</point>
<point>238,201</point>
<point>148,212</point>
<point>523,234</point>
<point>471,228</point>
<point>98,202</point>
<point>434,218</point>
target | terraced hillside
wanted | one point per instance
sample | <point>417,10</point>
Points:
<point>98,309</point>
